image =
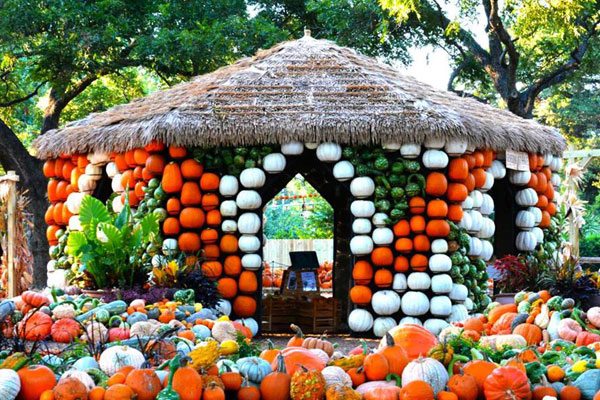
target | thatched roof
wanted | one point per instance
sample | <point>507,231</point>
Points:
<point>307,90</point>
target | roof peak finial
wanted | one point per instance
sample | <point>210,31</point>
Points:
<point>307,32</point>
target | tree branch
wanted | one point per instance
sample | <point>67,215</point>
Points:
<point>509,46</point>
<point>455,73</point>
<point>24,98</point>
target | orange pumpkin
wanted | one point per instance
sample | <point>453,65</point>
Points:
<point>480,370</point>
<point>417,390</point>
<point>457,192</point>
<point>402,228</point>
<point>382,257</point>
<point>416,205</point>
<point>362,273</point>
<point>458,169</point>
<point>232,265</point>
<point>173,206</point>
<point>455,212</point>
<point>189,242</point>
<point>421,243</point>
<point>248,282</point>
<point>70,389</point>
<point>190,194</point>
<point>383,278</point>
<point>177,152</point>
<point>155,164</point>
<point>191,218</point>
<point>417,224</point>
<point>531,332</point>
<point>210,201</point>
<point>376,366</point>
<point>464,386</point>
<point>212,269</point>
<point>171,226</point>
<point>213,218</point>
<point>119,392</point>
<point>35,380</point>
<point>436,184</point>
<point>172,181</point>
<point>227,287</point>
<point>480,176</point>
<point>154,147</point>
<point>414,339</point>
<point>401,264</point>
<point>209,181</point>
<point>48,169</point>
<point>209,235</point>
<point>244,306</point>
<point>437,209</point>
<point>229,244</point>
<point>438,228</point>
<point>360,295</point>
<point>419,262</point>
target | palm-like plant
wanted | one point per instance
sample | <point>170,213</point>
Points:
<point>109,247</point>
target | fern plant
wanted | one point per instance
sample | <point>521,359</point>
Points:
<point>109,247</point>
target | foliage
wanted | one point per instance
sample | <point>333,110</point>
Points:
<point>298,212</point>
<point>205,289</point>
<point>589,245</point>
<point>151,295</point>
<point>568,279</point>
<point>247,348</point>
<point>522,272</point>
<point>109,248</point>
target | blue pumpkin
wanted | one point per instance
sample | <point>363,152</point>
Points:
<point>85,363</point>
<point>254,368</point>
<point>136,317</point>
<point>202,332</point>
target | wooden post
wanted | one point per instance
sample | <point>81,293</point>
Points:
<point>11,179</point>
<point>573,229</point>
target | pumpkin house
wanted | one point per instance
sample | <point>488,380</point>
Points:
<point>427,187</point>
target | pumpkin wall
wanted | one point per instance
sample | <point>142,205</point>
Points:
<point>422,220</point>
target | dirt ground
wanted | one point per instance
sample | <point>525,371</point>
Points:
<point>345,343</point>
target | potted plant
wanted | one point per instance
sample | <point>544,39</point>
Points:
<point>566,278</point>
<point>109,247</point>
<point>517,273</point>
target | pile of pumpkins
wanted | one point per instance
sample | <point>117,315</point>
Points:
<point>409,363</point>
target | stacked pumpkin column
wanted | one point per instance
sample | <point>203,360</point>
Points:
<point>69,179</point>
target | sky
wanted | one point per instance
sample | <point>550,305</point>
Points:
<point>430,65</point>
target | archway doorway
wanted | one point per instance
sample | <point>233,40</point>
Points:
<point>298,218</point>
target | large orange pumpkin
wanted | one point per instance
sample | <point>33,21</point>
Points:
<point>187,382</point>
<point>35,380</point>
<point>190,194</point>
<point>209,181</point>
<point>232,265</point>
<point>244,306</point>
<point>414,339</point>
<point>297,357</point>
<point>360,295</point>
<point>145,383</point>
<point>191,218</point>
<point>362,273</point>
<point>480,370</point>
<point>191,169</point>
<point>36,326</point>
<point>436,184</point>
<point>382,257</point>
<point>189,242</point>
<point>172,181</point>
<point>458,169</point>
<point>248,282</point>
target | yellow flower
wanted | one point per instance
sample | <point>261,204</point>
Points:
<point>580,366</point>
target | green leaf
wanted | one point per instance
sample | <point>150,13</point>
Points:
<point>114,239</point>
<point>76,242</point>
<point>92,212</point>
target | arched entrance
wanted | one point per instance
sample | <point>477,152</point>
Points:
<point>320,176</point>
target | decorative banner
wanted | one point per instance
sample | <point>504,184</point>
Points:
<point>517,160</point>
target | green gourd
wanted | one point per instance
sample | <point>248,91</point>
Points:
<point>168,393</point>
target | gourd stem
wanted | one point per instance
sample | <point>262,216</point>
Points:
<point>395,377</point>
<point>364,346</point>
<point>455,358</point>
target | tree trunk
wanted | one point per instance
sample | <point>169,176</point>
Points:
<point>14,156</point>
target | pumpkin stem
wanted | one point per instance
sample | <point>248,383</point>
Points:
<point>455,358</point>
<point>281,364</point>
<point>270,345</point>
<point>395,377</point>
<point>389,340</point>
<point>363,343</point>
<point>297,331</point>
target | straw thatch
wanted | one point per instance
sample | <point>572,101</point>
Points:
<point>306,90</point>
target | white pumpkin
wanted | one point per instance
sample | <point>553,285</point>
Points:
<point>252,178</point>
<point>519,178</point>
<point>248,200</point>
<point>360,320</point>
<point>380,220</point>
<point>556,163</point>
<point>251,262</point>
<point>400,283</point>
<point>311,145</point>
<point>432,142</point>
<point>75,223</point>
<point>459,292</point>
<point>427,370</point>
<point>526,241</point>
<point>292,148</point>
<point>385,302</point>
<point>477,197</point>
<point>539,234</point>
<point>336,376</point>
<point>497,169</point>
<point>98,158</point>
<point>525,220</point>
<point>467,204</point>
<point>361,226</point>
<point>224,307</point>
<point>391,146</point>
<point>93,171</point>
<point>489,182</point>
<point>441,283</point>
<point>228,208</point>
<point>249,243</point>
<point>362,187</point>
<point>456,147</point>
<point>228,186</point>
<point>440,306</point>
<point>459,313</point>
<point>465,221</point>
<point>81,376</point>
<point>410,150</point>
<point>87,184</point>
<point>383,236</point>
<point>415,303</point>
<point>73,202</point>
<point>362,208</point>
<point>555,180</point>
<point>274,163</point>
<point>10,384</point>
<point>229,226</point>
<point>439,246</point>
<point>116,357</point>
<point>469,304</point>
<point>435,325</point>
<point>487,205</point>
<point>487,250</point>
<point>111,169</point>
<point>475,247</point>
<point>418,281</point>
<point>382,325</point>
<point>361,245</point>
<point>440,263</point>
<point>488,227</point>
<point>343,170</point>
<point>329,152</point>
<point>548,157</point>
<point>435,159</point>
<point>476,221</point>
<point>249,223</point>
<point>526,197</point>
<point>410,320</point>
<point>115,184</point>
<point>537,215</point>
<point>170,247</point>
